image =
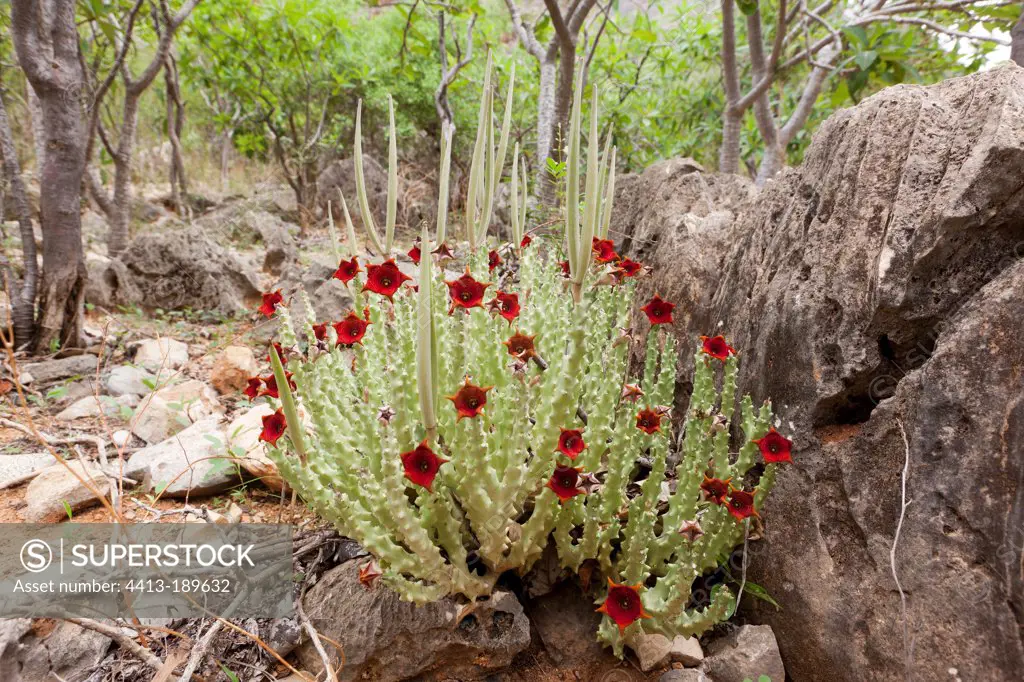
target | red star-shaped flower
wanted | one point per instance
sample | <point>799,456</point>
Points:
<point>421,465</point>
<point>274,426</point>
<point>469,400</point>
<point>525,241</point>
<point>252,389</point>
<point>566,269</point>
<point>658,310</point>
<point>623,604</point>
<point>320,331</point>
<point>629,267</point>
<point>465,292</point>
<point>369,573</point>
<point>648,420</point>
<point>443,252</point>
<point>604,250</point>
<point>715,489</point>
<point>565,483</point>
<point>352,329</point>
<point>384,279</point>
<point>347,270</point>
<point>717,347</point>
<point>414,253</point>
<point>270,382</point>
<point>521,346</point>
<point>570,443</point>
<point>741,504</point>
<point>270,302</point>
<point>506,305</point>
<point>493,260</point>
<point>775,447</point>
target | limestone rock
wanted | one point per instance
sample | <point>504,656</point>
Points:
<point>162,353</point>
<point>566,622</point>
<point>51,370</point>
<point>90,406</point>
<point>386,639</point>
<point>172,408</point>
<point>687,650</point>
<point>55,485</point>
<point>746,653</point>
<point>193,462</point>
<point>244,443</point>
<point>233,366</point>
<point>653,651</point>
<point>15,466</point>
<point>131,380</point>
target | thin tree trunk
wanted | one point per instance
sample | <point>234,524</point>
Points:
<point>175,124</point>
<point>729,152</point>
<point>120,218</point>
<point>23,297</point>
<point>49,56</point>
<point>35,111</point>
<point>545,126</point>
<point>225,160</point>
<point>1017,40</point>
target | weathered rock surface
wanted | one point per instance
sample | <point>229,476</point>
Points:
<point>176,269</point>
<point>15,466</point>
<point>249,224</point>
<point>566,622</point>
<point>61,368</point>
<point>131,380</point>
<point>233,366</point>
<point>387,640</point>
<point>55,485</point>
<point>245,444</point>
<point>170,409</point>
<point>879,290</point>
<point>746,653</point>
<point>68,652</point>
<point>162,353</point>
<point>91,406</point>
<point>653,651</point>
<point>329,297</point>
<point>193,462</point>
<point>685,675</point>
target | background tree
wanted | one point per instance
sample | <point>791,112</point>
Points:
<point>850,38</point>
<point>1017,40</point>
<point>46,42</point>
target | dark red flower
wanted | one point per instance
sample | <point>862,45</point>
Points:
<point>717,347</point>
<point>715,489</point>
<point>526,241</point>
<point>252,390</point>
<point>604,250</point>
<point>280,352</point>
<point>347,270</point>
<point>565,483</point>
<point>570,443</point>
<point>274,426</point>
<point>443,252</point>
<point>414,253</point>
<point>469,400</point>
<point>421,465</point>
<point>629,267</point>
<point>658,310</point>
<point>521,346</point>
<point>623,604</point>
<point>465,292</point>
<point>741,504</point>
<point>320,331</point>
<point>384,279</point>
<point>368,574</point>
<point>507,305</point>
<point>493,260</point>
<point>271,385</point>
<point>352,329</point>
<point>775,447</point>
<point>566,269</point>
<point>270,302</point>
<point>648,420</point>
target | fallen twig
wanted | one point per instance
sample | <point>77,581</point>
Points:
<point>114,633</point>
<point>199,651</point>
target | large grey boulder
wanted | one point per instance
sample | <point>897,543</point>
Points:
<point>249,223</point>
<point>878,291</point>
<point>385,639</point>
<point>179,268</point>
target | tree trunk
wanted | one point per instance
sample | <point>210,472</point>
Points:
<point>175,123</point>
<point>49,56</point>
<point>120,218</point>
<point>35,111</point>
<point>732,116</point>
<point>545,128</point>
<point>23,298</point>
<point>225,159</point>
<point>1017,40</point>
<point>729,152</point>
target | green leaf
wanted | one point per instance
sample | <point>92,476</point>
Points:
<point>748,7</point>
<point>865,59</point>
<point>232,676</point>
<point>67,509</point>
<point>857,33</point>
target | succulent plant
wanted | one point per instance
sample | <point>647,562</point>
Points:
<point>454,427</point>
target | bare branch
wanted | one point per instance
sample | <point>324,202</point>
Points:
<point>525,33</point>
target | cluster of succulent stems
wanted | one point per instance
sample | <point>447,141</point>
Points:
<point>466,414</point>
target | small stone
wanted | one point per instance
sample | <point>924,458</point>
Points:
<point>234,513</point>
<point>162,414</point>
<point>234,365</point>
<point>128,379</point>
<point>684,676</point>
<point>747,652</point>
<point>686,650</point>
<point>155,354</point>
<point>121,438</point>
<point>51,370</point>
<point>652,651</point>
<point>187,463</point>
<point>91,406</point>
<point>16,466</point>
<point>48,492</point>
